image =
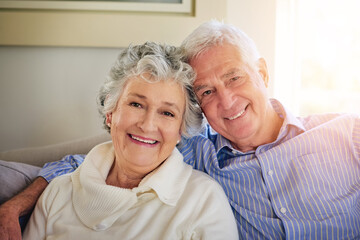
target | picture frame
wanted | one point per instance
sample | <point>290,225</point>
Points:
<point>162,6</point>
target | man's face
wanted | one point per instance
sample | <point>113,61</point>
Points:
<point>232,94</point>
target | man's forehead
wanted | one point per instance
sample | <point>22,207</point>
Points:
<point>222,73</point>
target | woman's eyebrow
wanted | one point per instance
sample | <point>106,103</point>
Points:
<point>169,104</point>
<point>138,95</point>
<point>172,105</point>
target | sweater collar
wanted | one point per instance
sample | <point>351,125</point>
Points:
<point>169,180</point>
<point>97,203</point>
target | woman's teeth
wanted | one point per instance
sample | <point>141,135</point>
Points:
<point>143,140</point>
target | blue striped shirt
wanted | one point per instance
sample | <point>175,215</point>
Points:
<point>304,185</point>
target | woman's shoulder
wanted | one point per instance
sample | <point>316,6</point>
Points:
<point>60,185</point>
<point>199,180</point>
<point>60,180</point>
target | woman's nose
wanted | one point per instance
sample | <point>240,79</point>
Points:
<point>148,122</point>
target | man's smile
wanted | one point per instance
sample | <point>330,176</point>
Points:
<point>241,113</point>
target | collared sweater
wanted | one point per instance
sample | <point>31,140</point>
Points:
<point>172,202</point>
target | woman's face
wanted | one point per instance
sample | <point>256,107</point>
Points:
<point>145,125</point>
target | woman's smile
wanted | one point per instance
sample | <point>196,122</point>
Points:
<point>142,140</point>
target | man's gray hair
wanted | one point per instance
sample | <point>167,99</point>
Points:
<point>159,62</point>
<point>214,33</point>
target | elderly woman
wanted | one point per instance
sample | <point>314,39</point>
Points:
<point>137,186</point>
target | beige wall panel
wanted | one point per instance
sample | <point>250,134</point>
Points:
<point>100,28</point>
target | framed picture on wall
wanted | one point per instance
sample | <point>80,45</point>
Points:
<point>170,6</point>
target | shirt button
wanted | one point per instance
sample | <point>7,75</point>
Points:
<point>270,172</point>
<point>283,210</point>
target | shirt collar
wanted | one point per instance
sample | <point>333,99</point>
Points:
<point>290,122</point>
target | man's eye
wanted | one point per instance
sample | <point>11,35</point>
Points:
<point>169,114</point>
<point>234,78</point>
<point>135,104</point>
<point>207,92</point>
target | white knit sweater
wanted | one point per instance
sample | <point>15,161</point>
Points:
<point>172,202</point>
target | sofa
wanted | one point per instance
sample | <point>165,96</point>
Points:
<point>19,167</point>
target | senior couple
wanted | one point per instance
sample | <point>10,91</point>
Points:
<point>284,177</point>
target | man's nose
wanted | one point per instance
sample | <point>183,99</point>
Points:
<point>147,122</point>
<point>226,98</point>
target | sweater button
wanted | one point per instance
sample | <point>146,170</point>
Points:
<point>100,227</point>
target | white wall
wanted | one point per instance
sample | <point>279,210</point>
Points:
<point>47,93</point>
<point>257,18</point>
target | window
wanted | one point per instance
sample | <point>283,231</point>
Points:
<point>318,55</point>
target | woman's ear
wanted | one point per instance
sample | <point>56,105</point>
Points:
<point>108,119</point>
<point>179,139</point>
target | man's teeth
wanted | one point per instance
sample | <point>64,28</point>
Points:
<point>237,115</point>
<point>142,140</point>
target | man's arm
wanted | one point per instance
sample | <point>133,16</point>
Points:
<point>24,202</point>
<point>66,165</point>
<point>19,205</point>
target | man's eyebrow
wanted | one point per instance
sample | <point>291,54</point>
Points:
<point>199,87</point>
<point>230,72</point>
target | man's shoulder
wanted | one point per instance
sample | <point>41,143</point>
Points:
<point>316,120</point>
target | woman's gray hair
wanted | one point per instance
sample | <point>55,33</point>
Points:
<point>162,63</point>
<point>214,33</point>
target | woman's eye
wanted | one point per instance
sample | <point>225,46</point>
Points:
<point>135,104</point>
<point>169,114</point>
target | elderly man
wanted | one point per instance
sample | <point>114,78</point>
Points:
<point>285,177</point>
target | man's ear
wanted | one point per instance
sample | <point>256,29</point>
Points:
<point>262,68</point>
<point>108,119</point>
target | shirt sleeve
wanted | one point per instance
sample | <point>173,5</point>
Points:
<point>66,165</point>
